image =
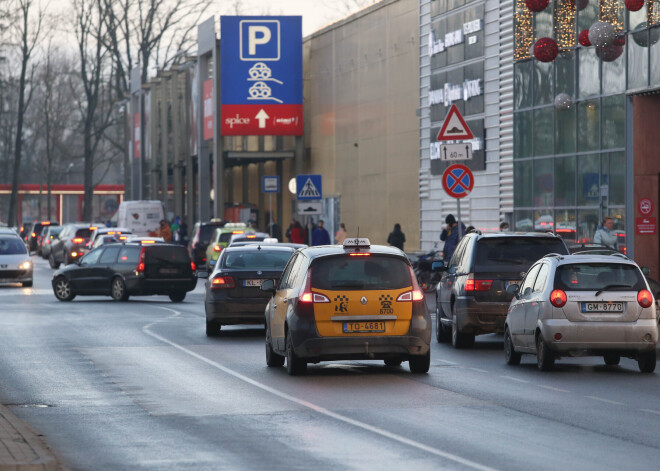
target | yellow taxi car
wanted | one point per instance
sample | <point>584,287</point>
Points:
<point>347,302</point>
<point>220,239</point>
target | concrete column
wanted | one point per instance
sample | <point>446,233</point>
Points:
<point>206,43</point>
<point>178,134</point>
<point>218,148</point>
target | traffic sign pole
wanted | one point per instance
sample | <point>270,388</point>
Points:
<point>270,214</point>
<point>458,211</point>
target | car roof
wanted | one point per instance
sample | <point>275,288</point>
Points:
<point>541,235</point>
<point>101,230</point>
<point>593,258</point>
<point>320,251</point>
<point>242,243</point>
<point>7,231</point>
<point>257,246</point>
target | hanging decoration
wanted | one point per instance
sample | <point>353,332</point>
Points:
<point>546,50</point>
<point>644,36</point>
<point>563,101</point>
<point>584,38</point>
<point>634,5</point>
<point>564,24</point>
<point>620,40</point>
<point>609,53</point>
<point>523,31</point>
<point>601,34</point>
<point>537,5</point>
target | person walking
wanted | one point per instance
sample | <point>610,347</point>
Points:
<point>320,236</point>
<point>396,237</point>
<point>164,231</point>
<point>296,233</point>
<point>450,236</point>
<point>340,235</point>
<point>605,235</point>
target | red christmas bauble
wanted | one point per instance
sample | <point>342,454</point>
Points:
<point>583,38</point>
<point>619,40</point>
<point>609,53</point>
<point>537,5</point>
<point>634,5</point>
<point>582,4</point>
<point>546,50</point>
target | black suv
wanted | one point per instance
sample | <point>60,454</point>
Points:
<point>71,244</point>
<point>34,237</point>
<point>128,269</point>
<point>201,237</point>
<point>471,297</point>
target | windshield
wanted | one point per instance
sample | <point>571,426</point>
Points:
<point>84,233</point>
<point>205,232</point>
<point>509,252</point>
<point>360,273</point>
<point>12,246</point>
<point>257,259</point>
<point>599,276</point>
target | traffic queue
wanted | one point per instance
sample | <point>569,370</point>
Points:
<point>359,301</point>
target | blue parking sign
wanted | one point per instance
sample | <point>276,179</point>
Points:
<point>260,40</point>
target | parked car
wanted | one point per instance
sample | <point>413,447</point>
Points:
<point>233,292</point>
<point>578,305</point>
<point>15,263</point>
<point>119,233</point>
<point>201,236</point>
<point>71,244</point>
<point>128,269</point>
<point>471,297</point>
<point>49,236</point>
<point>221,238</point>
<point>34,239</point>
<point>359,301</point>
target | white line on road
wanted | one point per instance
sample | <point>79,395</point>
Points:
<point>596,398</point>
<point>515,379</point>
<point>309,405</point>
<point>479,370</point>
<point>651,411</point>
<point>553,389</point>
<point>448,362</point>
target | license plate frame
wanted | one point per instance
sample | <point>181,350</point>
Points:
<point>363,327</point>
<point>601,307</point>
<point>168,271</point>
<point>252,283</point>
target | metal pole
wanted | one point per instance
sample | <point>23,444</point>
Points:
<point>458,206</point>
<point>270,213</point>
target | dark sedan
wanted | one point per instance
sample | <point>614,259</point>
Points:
<point>233,291</point>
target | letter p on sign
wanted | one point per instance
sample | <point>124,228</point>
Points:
<point>260,40</point>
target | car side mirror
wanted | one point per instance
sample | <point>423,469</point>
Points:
<point>514,289</point>
<point>646,271</point>
<point>452,270</point>
<point>202,274</point>
<point>438,266</point>
<point>268,286</point>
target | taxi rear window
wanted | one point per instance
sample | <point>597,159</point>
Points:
<point>372,272</point>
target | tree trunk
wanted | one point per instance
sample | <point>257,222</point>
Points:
<point>89,171</point>
<point>12,220</point>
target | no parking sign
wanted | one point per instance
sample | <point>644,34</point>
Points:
<point>458,181</point>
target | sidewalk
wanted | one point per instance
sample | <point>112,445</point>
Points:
<point>20,448</point>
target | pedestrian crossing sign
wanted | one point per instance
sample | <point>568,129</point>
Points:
<point>309,187</point>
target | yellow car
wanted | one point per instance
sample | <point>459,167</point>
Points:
<point>220,239</point>
<point>347,302</point>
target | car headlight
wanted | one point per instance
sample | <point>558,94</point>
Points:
<point>26,265</point>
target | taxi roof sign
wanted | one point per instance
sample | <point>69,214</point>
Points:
<point>356,242</point>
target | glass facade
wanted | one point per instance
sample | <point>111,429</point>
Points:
<point>570,162</point>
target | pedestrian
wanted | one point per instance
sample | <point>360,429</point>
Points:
<point>320,236</point>
<point>183,233</point>
<point>340,235</point>
<point>297,234</point>
<point>164,231</point>
<point>176,225</point>
<point>396,237</point>
<point>605,236</point>
<point>450,236</point>
<point>504,226</point>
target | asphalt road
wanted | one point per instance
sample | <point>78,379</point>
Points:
<point>137,385</point>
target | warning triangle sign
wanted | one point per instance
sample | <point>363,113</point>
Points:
<point>309,190</point>
<point>454,128</point>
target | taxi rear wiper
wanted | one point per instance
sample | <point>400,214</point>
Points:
<point>612,286</point>
<point>506,260</point>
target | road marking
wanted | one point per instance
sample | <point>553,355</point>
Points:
<point>477,369</point>
<point>596,398</point>
<point>449,362</point>
<point>515,379</point>
<point>651,411</point>
<point>309,405</point>
<point>553,389</point>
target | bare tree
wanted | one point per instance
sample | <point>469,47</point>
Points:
<point>27,28</point>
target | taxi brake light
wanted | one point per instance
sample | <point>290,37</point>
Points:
<point>359,254</point>
<point>46,223</point>
<point>306,295</point>
<point>415,294</point>
<point>223,282</point>
<point>148,241</point>
<point>111,233</point>
<point>238,232</point>
<point>645,298</point>
<point>123,238</point>
<point>93,228</point>
<point>251,237</point>
<point>34,234</point>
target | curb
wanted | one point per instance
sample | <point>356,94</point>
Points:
<point>20,448</point>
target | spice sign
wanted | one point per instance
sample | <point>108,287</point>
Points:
<point>646,226</point>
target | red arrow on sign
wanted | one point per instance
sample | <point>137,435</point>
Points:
<point>454,128</point>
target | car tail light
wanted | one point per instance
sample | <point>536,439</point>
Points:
<point>308,296</point>
<point>645,298</point>
<point>141,266</point>
<point>477,285</point>
<point>223,282</point>
<point>238,232</point>
<point>192,266</point>
<point>558,298</point>
<point>415,294</point>
<point>251,237</point>
<point>34,234</point>
<point>217,248</point>
<point>359,254</point>
<point>78,240</point>
<point>75,254</point>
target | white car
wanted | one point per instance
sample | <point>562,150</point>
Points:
<point>15,262</point>
<point>579,305</point>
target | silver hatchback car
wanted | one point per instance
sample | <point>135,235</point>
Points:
<point>582,305</point>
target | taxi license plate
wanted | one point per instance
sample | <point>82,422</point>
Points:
<point>602,307</point>
<point>253,283</point>
<point>363,327</point>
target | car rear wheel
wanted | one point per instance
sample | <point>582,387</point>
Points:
<point>510,355</point>
<point>420,364</point>
<point>392,362</point>
<point>545,359</point>
<point>611,359</point>
<point>27,284</point>
<point>118,290</point>
<point>460,339</point>
<point>272,359</point>
<point>213,328</point>
<point>442,333</point>
<point>646,361</point>
<point>294,365</point>
<point>177,297</point>
<point>53,263</point>
<point>62,289</point>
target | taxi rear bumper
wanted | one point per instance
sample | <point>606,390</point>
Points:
<point>356,348</point>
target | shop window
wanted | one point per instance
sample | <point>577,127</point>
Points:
<point>522,186</point>
<point>588,15</point>
<point>474,42</point>
<point>589,74</point>
<point>588,176</point>
<point>565,181</point>
<point>588,222</point>
<point>544,131</point>
<point>544,87</point>
<point>523,221</point>
<point>523,134</point>
<point>456,53</point>
<point>638,58</point>
<point>544,24</point>
<point>522,85</point>
<point>614,121</point>
<point>614,74</point>
<point>618,216</point>
<point>617,178</point>
<point>544,182</point>
<point>588,125</point>
<point>565,131</point>
<point>565,69</point>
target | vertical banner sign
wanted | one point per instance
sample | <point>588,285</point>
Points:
<point>147,126</point>
<point>262,86</point>
<point>136,136</point>
<point>208,109</point>
<point>193,93</point>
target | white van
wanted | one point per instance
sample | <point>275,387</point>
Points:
<point>140,217</point>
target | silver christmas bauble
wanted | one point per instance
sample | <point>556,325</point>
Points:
<point>645,37</point>
<point>563,101</point>
<point>601,34</point>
